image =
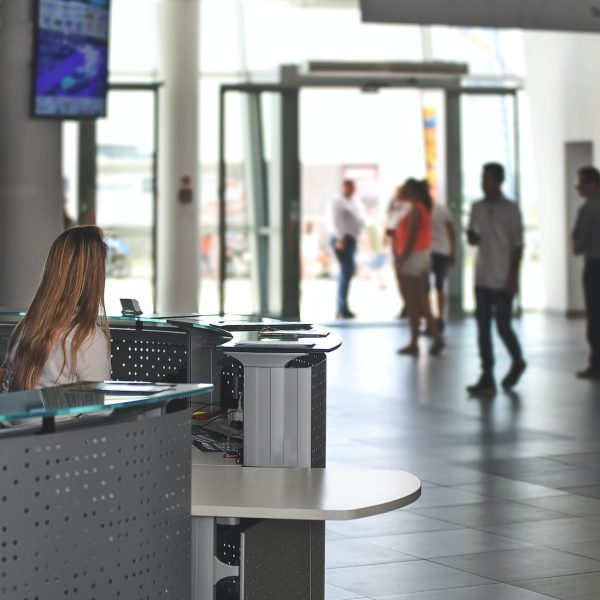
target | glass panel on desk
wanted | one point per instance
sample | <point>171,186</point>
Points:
<point>7,312</point>
<point>140,318</point>
<point>81,398</point>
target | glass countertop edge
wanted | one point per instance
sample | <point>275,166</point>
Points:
<point>144,319</point>
<point>137,318</point>
<point>128,401</point>
<point>211,323</point>
<point>181,322</point>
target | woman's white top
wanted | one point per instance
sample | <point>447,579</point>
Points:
<point>93,362</point>
<point>440,238</point>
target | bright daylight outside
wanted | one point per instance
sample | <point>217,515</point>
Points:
<point>377,139</point>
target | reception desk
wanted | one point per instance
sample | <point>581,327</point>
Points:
<point>95,492</point>
<point>274,373</point>
<point>257,529</point>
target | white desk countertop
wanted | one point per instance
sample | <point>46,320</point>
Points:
<point>302,494</point>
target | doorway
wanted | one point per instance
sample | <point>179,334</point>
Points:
<point>378,141</point>
<point>274,283</point>
<point>259,201</point>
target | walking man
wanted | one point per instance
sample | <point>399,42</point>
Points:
<point>496,228</point>
<point>347,225</point>
<point>586,242</point>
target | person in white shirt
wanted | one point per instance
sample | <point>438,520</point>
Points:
<point>347,223</point>
<point>496,228</point>
<point>64,337</point>
<point>443,254</point>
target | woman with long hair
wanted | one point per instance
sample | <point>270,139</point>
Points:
<point>64,336</point>
<point>413,262</point>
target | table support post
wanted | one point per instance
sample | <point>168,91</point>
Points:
<point>203,552</point>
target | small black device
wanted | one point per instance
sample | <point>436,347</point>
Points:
<point>130,307</point>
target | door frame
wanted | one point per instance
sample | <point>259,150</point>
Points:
<point>454,166</point>
<point>293,83</point>
<point>283,301</point>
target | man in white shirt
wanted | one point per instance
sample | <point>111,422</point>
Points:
<point>496,228</point>
<point>347,223</point>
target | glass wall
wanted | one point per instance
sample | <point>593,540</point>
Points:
<point>134,41</point>
<point>299,34</point>
<point>237,255</point>
<point>491,54</point>
<point>295,34</point>
<point>125,196</point>
<point>125,157</point>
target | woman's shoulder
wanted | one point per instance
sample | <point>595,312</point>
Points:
<point>95,338</point>
<point>97,335</point>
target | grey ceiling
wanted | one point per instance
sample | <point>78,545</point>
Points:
<point>562,15</point>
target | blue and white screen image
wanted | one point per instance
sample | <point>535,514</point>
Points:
<point>71,58</point>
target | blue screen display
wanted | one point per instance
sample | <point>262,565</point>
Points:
<point>71,58</point>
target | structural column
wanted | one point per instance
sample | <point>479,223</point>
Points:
<point>177,227</point>
<point>454,197</point>
<point>30,164</point>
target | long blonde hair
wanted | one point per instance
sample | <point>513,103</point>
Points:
<point>70,298</point>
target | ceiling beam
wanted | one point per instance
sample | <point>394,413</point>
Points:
<point>557,15</point>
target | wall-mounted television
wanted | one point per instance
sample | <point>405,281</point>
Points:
<point>70,58</point>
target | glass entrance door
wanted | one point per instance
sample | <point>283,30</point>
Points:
<point>258,213</point>
<point>259,190</point>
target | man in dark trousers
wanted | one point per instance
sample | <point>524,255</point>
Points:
<point>586,242</point>
<point>496,228</point>
<point>347,222</point>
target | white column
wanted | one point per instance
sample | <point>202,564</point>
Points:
<point>178,254</point>
<point>30,164</point>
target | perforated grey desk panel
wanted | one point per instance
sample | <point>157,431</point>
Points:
<point>98,512</point>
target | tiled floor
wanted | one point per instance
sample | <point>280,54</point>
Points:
<point>510,508</point>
